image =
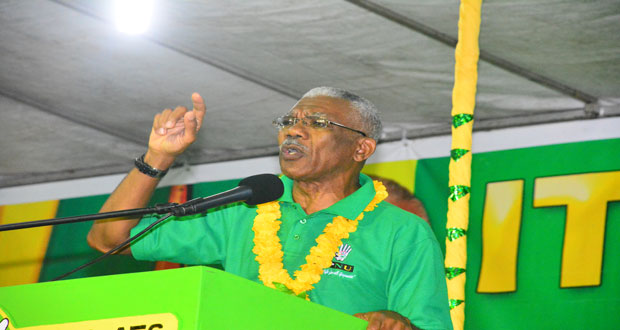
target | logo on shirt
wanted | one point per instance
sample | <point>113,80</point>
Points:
<point>343,252</point>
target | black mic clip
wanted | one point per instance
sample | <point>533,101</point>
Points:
<point>187,207</point>
<point>175,208</point>
<point>165,208</point>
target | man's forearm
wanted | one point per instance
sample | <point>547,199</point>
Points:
<point>134,191</point>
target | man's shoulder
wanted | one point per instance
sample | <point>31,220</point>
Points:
<point>393,226</point>
<point>388,213</point>
<point>388,218</point>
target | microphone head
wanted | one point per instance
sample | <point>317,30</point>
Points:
<point>265,188</point>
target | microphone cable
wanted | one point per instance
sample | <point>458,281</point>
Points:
<point>119,247</point>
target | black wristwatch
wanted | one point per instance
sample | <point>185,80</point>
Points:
<point>147,169</point>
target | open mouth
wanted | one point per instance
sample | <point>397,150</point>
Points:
<point>291,151</point>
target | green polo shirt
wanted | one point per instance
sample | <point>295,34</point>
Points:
<point>391,262</point>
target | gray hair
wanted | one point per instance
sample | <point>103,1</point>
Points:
<point>367,111</point>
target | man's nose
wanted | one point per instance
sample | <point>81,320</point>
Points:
<point>299,129</point>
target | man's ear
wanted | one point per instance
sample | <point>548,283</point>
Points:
<point>364,149</point>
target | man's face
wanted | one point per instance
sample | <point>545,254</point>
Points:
<point>311,154</point>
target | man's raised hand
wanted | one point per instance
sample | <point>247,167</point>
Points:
<point>173,131</point>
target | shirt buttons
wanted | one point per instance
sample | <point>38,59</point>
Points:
<point>296,237</point>
<point>303,221</point>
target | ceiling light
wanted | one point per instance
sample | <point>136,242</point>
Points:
<point>133,16</point>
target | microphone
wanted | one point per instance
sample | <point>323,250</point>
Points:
<point>256,189</point>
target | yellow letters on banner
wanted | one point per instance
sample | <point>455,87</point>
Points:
<point>501,224</point>
<point>586,197</point>
<point>163,321</point>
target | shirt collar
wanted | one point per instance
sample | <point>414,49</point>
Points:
<point>349,207</point>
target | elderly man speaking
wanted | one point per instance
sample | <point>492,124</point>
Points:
<point>346,248</point>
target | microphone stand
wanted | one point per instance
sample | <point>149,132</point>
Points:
<point>159,209</point>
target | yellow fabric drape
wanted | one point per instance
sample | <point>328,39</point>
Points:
<point>463,103</point>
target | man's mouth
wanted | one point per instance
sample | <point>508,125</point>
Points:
<point>291,151</point>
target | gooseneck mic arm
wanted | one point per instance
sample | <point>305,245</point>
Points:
<point>133,213</point>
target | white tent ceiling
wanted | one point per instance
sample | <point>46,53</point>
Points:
<point>77,97</point>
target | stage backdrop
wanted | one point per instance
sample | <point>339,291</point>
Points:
<point>544,218</point>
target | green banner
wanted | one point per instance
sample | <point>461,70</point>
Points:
<point>541,248</point>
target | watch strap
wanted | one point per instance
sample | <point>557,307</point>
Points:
<point>147,169</point>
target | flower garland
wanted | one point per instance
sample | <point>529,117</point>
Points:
<point>269,253</point>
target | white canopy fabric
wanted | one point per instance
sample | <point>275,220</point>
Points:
<point>77,97</point>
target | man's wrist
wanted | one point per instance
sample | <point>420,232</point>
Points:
<point>159,160</point>
<point>152,166</point>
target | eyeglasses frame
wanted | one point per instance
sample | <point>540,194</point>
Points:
<point>329,122</point>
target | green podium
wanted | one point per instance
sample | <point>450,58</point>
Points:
<point>184,298</point>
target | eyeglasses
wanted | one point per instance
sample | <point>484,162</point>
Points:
<point>313,121</point>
